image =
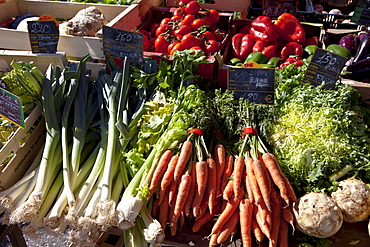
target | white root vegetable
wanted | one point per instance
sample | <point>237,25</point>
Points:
<point>317,215</point>
<point>353,198</point>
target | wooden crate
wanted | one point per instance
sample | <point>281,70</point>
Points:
<point>125,17</point>
<point>224,5</point>
<point>24,151</point>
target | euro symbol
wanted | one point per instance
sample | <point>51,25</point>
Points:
<point>268,98</point>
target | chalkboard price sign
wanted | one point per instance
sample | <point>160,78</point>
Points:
<point>325,67</point>
<point>11,108</point>
<point>44,36</point>
<point>120,43</point>
<point>278,7</point>
<point>361,15</point>
<point>255,84</point>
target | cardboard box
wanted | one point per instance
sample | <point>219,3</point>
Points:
<point>125,17</point>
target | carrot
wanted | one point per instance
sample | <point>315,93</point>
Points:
<point>211,183</point>
<point>288,215</point>
<point>261,178</point>
<point>168,176</point>
<point>252,182</point>
<point>227,171</point>
<point>159,171</point>
<point>203,207</point>
<point>184,157</point>
<point>290,190</point>
<point>182,195</point>
<point>155,208</point>
<point>257,232</point>
<point>283,233</point>
<point>234,232</point>
<point>238,174</point>
<point>213,240</point>
<point>163,210</point>
<point>228,190</point>
<point>276,216</point>
<point>246,211</point>
<point>227,212</point>
<point>276,174</point>
<point>228,227</point>
<point>191,190</point>
<point>206,217</point>
<point>201,172</point>
<point>248,161</point>
<point>173,192</point>
<point>263,218</point>
<point>220,159</point>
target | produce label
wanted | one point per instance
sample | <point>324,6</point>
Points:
<point>120,43</point>
<point>277,7</point>
<point>361,14</point>
<point>44,36</point>
<point>255,84</point>
<point>11,108</point>
<point>325,67</point>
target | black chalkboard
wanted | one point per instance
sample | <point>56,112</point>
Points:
<point>120,43</point>
<point>11,108</point>
<point>278,7</point>
<point>3,85</point>
<point>44,36</point>
<point>325,67</point>
<point>255,84</point>
<point>361,15</point>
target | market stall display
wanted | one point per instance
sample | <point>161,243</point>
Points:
<point>159,153</point>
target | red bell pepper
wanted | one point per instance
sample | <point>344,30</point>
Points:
<point>292,60</point>
<point>291,48</point>
<point>267,48</point>
<point>242,45</point>
<point>263,29</point>
<point>288,28</point>
<point>312,41</point>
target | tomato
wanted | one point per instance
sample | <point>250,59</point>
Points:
<point>145,43</point>
<point>162,29</point>
<point>153,29</point>
<point>161,43</point>
<point>214,15</point>
<point>165,21</point>
<point>188,19</point>
<point>211,47</point>
<point>219,35</point>
<point>177,18</point>
<point>207,20</point>
<point>182,29</point>
<point>208,35</point>
<point>189,40</point>
<point>145,32</point>
<point>177,47</point>
<point>198,23</point>
<point>184,2</point>
<point>192,7</point>
<point>169,48</point>
<point>196,48</point>
<point>179,11</point>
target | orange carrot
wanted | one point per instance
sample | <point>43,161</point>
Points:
<point>201,172</point>
<point>211,183</point>
<point>263,218</point>
<point>276,174</point>
<point>228,170</point>
<point>248,162</point>
<point>203,207</point>
<point>159,171</point>
<point>201,221</point>
<point>191,190</point>
<point>228,190</point>
<point>283,233</point>
<point>261,178</point>
<point>276,216</point>
<point>257,232</point>
<point>238,174</point>
<point>155,208</point>
<point>246,212</point>
<point>168,176</point>
<point>220,159</point>
<point>253,185</point>
<point>184,157</point>
<point>226,213</point>
<point>228,227</point>
<point>288,215</point>
<point>163,210</point>
<point>173,192</point>
<point>291,194</point>
<point>213,240</point>
<point>182,195</point>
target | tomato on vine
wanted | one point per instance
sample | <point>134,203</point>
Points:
<point>188,19</point>
<point>211,47</point>
<point>161,43</point>
<point>192,7</point>
<point>214,15</point>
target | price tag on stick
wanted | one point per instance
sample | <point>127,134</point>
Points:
<point>44,36</point>
<point>255,84</point>
<point>120,43</point>
<point>361,15</point>
<point>325,67</point>
<point>11,108</point>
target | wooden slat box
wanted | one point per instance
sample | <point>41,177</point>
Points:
<point>125,17</point>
